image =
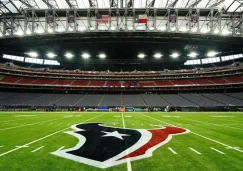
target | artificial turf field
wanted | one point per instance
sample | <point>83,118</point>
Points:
<point>214,143</point>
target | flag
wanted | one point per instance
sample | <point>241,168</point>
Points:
<point>102,18</point>
<point>141,19</point>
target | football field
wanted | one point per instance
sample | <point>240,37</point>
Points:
<point>139,141</point>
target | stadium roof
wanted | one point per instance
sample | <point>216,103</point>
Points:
<point>16,6</point>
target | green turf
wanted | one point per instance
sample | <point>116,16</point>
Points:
<point>208,130</point>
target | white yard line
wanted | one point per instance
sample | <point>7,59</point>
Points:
<point>194,150</point>
<point>209,123</point>
<point>129,165</point>
<point>3,129</point>
<point>61,148</point>
<point>172,150</point>
<point>37,149</point>
<point>198,135</point>
<point>32,142</point>
<point>217,150</point>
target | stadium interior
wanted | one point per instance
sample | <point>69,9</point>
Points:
<point>120,78</point>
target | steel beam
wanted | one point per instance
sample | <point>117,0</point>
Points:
<point>194,4</point>
<point>130,3</point>
<point>14,6</point>
<point>72,3</point>
<point>52,4</point>
<point>150,3</point>
<point>2,4</point>
<point>93,3</point>
<point>172,5</point>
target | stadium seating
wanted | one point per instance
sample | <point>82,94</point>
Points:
<point>116,100</point>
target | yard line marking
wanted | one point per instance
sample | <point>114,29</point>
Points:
<point>172,150</point>
<point>129,166</point>
<point>28,124</point>
<point>61,148</point>
<point>209,123</point>
<point>37,149</point>
<point>22,146</point>
<point>217,150</point>
<point>198,135</point>
<point>194,150</point>
<point>32,142</point>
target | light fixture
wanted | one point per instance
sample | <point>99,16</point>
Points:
<point>82,29</point>
<point>51,55</point>
<point>225,32</point>
<point>130,28</point>
<point>184,29</point>
<point>86,55</point>
<point>92,28</point>
<point>141,55</point>
<point>19,33</point>
<point>175,55</point>
<point>194,29</point>
<point>102,56</point>
<point>69,55</point>
<point>192,54</point>
<point>151,28</point>
<point>216,31</point>
<point>50,30</point>
<point>28,32</point>
<point>40,31</point>
<point>162,28</point>
<point>33,54</point>
<point>113,28</point>
<point>158,55</point>
<point>70,29</point>
<point>173,29</point>
<point>211,54</point>
<point>60,30</point>
<point>204,30</point>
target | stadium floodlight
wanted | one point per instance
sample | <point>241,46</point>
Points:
<point>175,55</point>
<point>141,55</point>
<point>82,29</point>
<point>69,55</point>
<point>19,33</point>
<point>225,32</point>
<point>173,29</point>
<point>92,28</point>
<point>1,35</point>
<point>158,55</point>
<point>113,28</point>
<point>162,28</point>
<point>102,56</point>
<point>194,29</point>
<point>211,54</point>
<point>28,32</point>
<point>184,29</point>
<point>70,29</point>
<point>216,31</point>
<point>51,55</point>
<point>130,28</point>
<point>50,30</point>
<point>204,31</point>
<point>151,28</point>
<point>40,31</point>
<point>60,30</point>
<point>86,55</point>
<point>192,55</point>
<point>33,54</point>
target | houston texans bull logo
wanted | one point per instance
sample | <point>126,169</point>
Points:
<point>102,146</point>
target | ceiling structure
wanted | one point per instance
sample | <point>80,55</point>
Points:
<point>17,6</point>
